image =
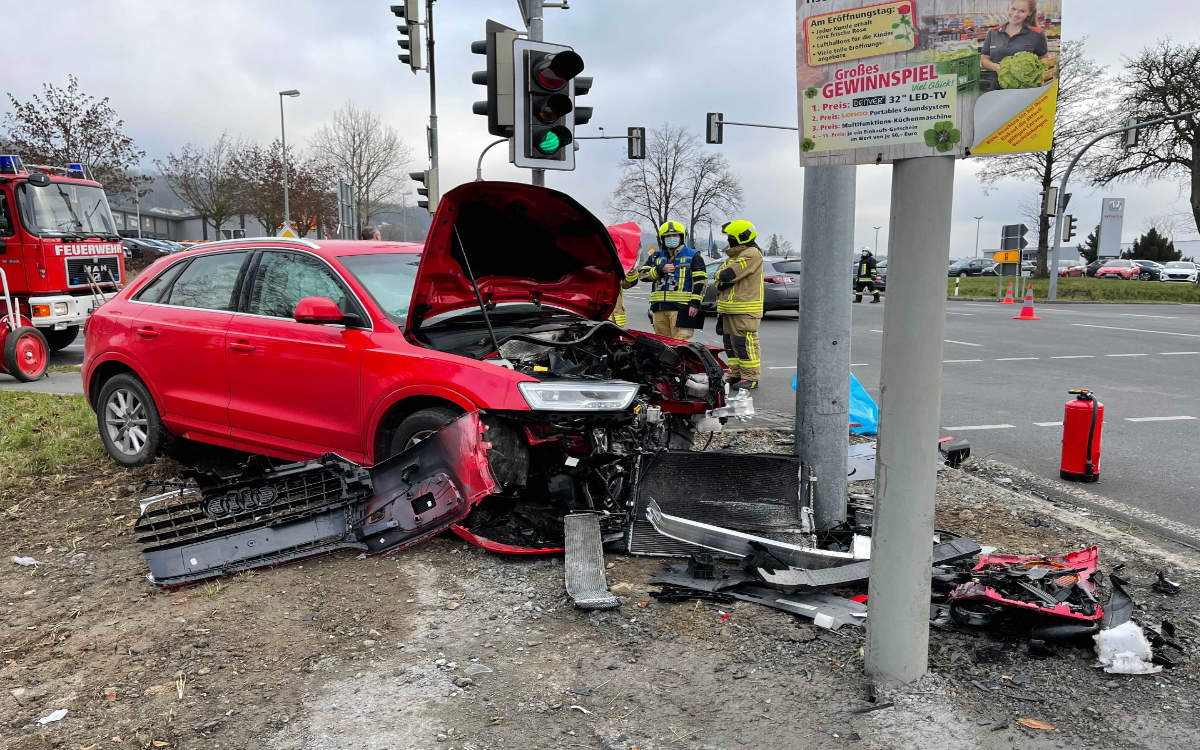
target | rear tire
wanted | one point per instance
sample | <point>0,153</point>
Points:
<point>59,340</point>
<point>26,353</point>
<point>130,427</point>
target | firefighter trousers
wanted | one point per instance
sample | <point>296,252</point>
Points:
<point>740,334</point>
<point>869,285</point>
<point>664,325</point>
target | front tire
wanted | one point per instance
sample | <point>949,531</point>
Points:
<point>59,340</point>
<point>1145,276</point>
<point>130,427</point>
<point>26,354</point>
<point>420,425</point>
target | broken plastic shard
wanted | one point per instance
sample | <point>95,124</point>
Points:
<point>473,669</point>
<point>25,561</point>
<point>53,716</point>
<point>1125,650</point>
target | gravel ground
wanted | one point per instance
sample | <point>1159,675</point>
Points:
<point>446,646</point>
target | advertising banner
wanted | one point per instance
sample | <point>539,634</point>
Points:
<point>1112,217</point>
<point>879,81</point>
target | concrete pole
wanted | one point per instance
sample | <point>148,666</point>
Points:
<point>283,157</point>
<point>823,337</point>
<point>910,411</point>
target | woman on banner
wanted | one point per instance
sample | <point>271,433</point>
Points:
<point>1019,34</point>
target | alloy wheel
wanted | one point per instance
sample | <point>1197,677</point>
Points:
<point>125,421</point>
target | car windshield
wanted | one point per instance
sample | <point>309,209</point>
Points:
<point>66,208</point>
<point>388,278</point>
<point>1181,264</point>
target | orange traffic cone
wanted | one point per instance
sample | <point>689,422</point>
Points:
<point>1027,310</point>
<point>1008,298</point>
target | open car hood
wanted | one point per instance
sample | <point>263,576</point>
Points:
<point>524,244</point>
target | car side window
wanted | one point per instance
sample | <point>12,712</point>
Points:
<point>154,291</point>
<point>282,279</point>
<point>208,282</point>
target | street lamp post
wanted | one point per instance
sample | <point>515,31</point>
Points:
<point>283,140</point>
<point>977,220</point>
<point>877,240</point>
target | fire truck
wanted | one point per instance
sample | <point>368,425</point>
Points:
<point>60,258</point>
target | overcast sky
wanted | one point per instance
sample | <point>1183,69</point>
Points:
<point>185,71</point>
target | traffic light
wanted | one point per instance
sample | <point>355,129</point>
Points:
<point>1050,204</point>
<point>428,188</point>
<point>498,46</point>
<point>714,132</point>
<point>1129,138</point>
<point>637,143</point>
<point>544,113</point>
<point>582,85</point>
<point>410,34</point>
<point>1069,224</point>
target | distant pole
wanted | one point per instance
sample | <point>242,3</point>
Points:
<point>877,240</point>
<point>287,214</point>
<point>977,220</point>
<point>823,337</point>
<point>433,141</point>
<point>910,385</point>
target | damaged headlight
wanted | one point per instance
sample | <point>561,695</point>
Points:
<point>574,396</point>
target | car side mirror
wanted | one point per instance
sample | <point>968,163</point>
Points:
<point>317,310</point>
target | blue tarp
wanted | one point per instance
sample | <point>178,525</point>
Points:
<point>863,410</point>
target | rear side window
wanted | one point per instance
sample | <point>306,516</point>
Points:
<point>282,279</point>
<point>208,282</point>
<point>154,291</point>
<point>787,266</point>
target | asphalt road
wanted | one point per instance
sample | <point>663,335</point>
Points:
<point>1004,386</point>
<point>1005,383</point>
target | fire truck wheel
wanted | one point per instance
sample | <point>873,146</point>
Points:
<point>26,354</point>
<point>130,428</point>
<point>59,340</point>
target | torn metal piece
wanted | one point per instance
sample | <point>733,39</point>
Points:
<point>795,578</point>
<point>825,610</point>
<point>740,544</point>
<point>585,563</point>
<point>678,576</point>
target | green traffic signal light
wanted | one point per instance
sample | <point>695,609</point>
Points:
<point>549,143</point>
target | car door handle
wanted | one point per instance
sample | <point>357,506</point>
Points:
<point>241,346</point>
<point>147,332</point>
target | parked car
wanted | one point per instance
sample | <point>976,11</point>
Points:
<point>970,267</point>
<point>781,284</point>
<point>1028,267</point>
<point>1092,269</point>
<point>294,349</point>
<point>1149,270</point>
<point>1118,268</point>
<point>881,273</point>
<point>1070,268</point>
<point>1181,270</point>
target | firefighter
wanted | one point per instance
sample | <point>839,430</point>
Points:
<point>678,276</point>
<point>740,303</point>
<point>627,281</point>
<point>864,275</point>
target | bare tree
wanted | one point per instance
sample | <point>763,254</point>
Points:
<point>65,125</point>
<point>368,154</point>
<point>1161,80</point>
<point>203,178</point>
<point>676,179</point>
<point>1084,102</point>
<point>311,186</point>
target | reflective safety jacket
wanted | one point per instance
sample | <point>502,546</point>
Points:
<point>618,315</point>
<point>740,282</point>
<point>680,288</point>
<point>864,268</point>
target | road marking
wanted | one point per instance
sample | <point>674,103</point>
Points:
<point>958,313</point>
<point>1074,356</point>
<point>1048,424</point>
<point>964,343</point>
<point>1014,359</point>
<point>860,364</point>
<point>1156,419</point>
<point>1167,354</point>
<point>876,330</point>
<point>952,361</point>
<point>965,428</point>
<point>1139,315</point>
<point>1138,330</point>
<point>1125,355</point>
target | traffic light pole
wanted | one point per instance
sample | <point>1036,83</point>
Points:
<point>1062,188</point>
<point>533,19</point>
<point>433,142</point>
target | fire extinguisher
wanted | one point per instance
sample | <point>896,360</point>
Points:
<point>1083,421</point>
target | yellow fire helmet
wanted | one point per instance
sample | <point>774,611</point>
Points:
<point>672,227</point>
<point>739,232</point>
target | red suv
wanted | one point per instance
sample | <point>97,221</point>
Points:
<point>293,348</point>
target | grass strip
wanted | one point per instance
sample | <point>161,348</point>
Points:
<point>46,433</point>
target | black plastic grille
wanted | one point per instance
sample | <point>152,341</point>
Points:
<point>103,270</point>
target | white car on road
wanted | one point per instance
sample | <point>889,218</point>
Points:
<point>1181,270</point>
